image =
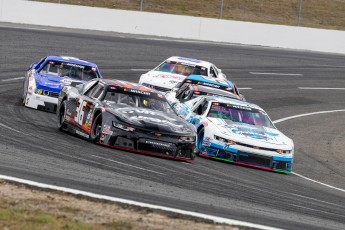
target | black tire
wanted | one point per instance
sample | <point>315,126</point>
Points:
<point>23,97</point>
<point>199,140</point>
<point>61,123</point>
<point>192,155</point>
<point>96,129</point>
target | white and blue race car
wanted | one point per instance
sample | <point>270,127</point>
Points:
<point>237,132</point>
<point>45,79</point>
<point>175,69</point>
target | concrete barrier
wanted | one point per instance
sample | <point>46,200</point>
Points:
<point>174,26</point>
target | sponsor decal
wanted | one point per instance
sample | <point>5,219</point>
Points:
<point>140,111</point>
<point>75,65</point>
<point>242,107</point>
<point>106,130</point>
<point>256,134</point>
<point>189,59</point>
<point>66,81</point>
<point>158,143</point>
<point>180,78</point>
<point>138,92</point>
<point>206,143</point>
<point>211,85</point>
<point>154,120</point>
<point>82,134</point>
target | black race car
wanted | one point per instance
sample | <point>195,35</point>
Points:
<point>127,116</point>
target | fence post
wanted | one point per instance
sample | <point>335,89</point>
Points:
<point>299,11</point>
<point>221,9</point>
<point>141,5</point>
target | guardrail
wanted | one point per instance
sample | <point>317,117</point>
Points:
<point>174,26</point>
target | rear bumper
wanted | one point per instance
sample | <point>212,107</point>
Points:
<point>271,163</point>
<point>41,102</point>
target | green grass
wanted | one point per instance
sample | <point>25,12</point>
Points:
<point>315,13</point>
<point>14,216</point>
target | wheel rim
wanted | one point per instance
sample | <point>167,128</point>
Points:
<point>98,127</point>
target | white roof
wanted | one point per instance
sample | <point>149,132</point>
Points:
<point>233,101</point>
<point>191,61</point>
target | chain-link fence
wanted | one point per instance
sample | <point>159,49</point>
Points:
<point>312,13</point>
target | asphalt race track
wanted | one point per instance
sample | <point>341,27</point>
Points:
<point>32,148</point>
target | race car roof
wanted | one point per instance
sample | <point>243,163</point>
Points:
<point>190,61</point>
<point>199,78</point>
<point>128,85</point>
<point>73,60</point>
<point>207,89</point>
<point>232,101</point>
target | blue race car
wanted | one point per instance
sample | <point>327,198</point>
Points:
<point>45,79</point>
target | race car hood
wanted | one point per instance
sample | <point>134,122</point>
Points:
<point>151,120</point>
<point>52,82</point>
<point>163,79</point>
<point>251,134</point>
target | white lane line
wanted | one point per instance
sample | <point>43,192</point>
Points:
<point>321,88</point>
<point>133,166</point>
<point>17,131</point>
<point>306,114</point>
<point>310,114</point>
<point>28,28</point>
<point>327,185</point>
<point>140,70</point>
<point>244,88</point>
<point>13,79</point>
<point>278,74</point>
<point>215,219</point>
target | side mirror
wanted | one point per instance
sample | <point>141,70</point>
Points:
<point>219,70</point>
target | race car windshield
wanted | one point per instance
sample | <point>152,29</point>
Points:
<point>70,70</point>
<point>182,68</point>
<point>139,99</point>
<point>236,113</point>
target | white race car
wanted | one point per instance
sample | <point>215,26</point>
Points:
<point>238,132</point>
<point>175,69</point>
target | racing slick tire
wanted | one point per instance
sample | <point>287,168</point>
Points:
<point>192,155</point>
<point>61,115</point>
<point>96,129</point>
<point>200,139</point>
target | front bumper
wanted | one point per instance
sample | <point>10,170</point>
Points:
<point>271,163</point>
<point>166,146</point>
